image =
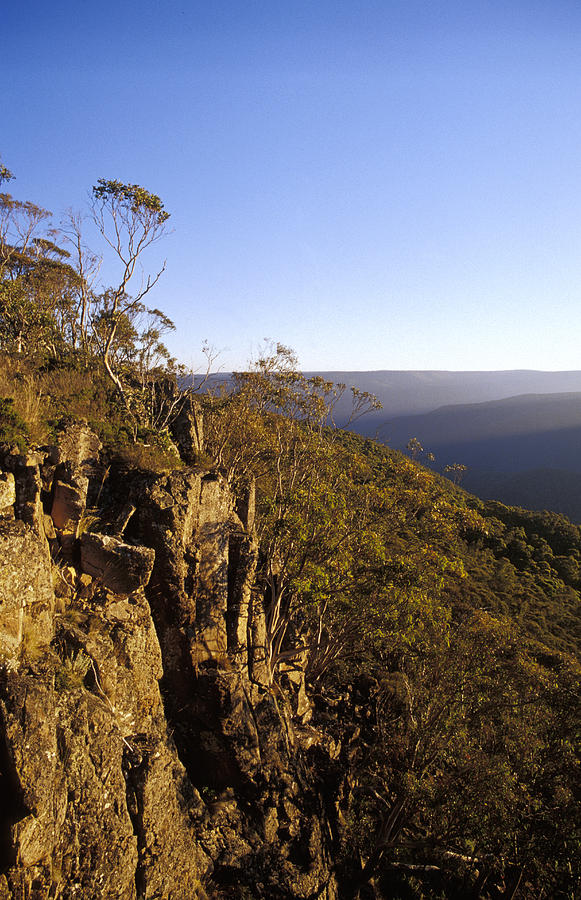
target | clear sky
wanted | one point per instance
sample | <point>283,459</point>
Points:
<point>378,184</point>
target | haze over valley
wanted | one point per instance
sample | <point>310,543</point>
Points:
<point>517,432</point>
<point>407,393</point>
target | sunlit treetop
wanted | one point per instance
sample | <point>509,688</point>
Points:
<point>5,174</point>
<point>131,196</point>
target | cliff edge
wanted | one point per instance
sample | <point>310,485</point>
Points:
<point>143,751</point>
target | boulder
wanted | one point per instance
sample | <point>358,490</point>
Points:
<point>77,445</point>
<point>69,502</point>
<point>7,493</point>
<point>122,568</point>
<point>25,469</point>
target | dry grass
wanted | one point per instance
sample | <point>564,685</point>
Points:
<point>44,400</point>
<point>24,388</point>
<point>79,396</point>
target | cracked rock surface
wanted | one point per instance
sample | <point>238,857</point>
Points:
<point>143,754</point>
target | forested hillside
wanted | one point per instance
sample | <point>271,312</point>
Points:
<point>455,622</point>
<point>522,450</point>
<point>421,646</point>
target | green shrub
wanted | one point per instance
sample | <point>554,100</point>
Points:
<point>13,428</point>
<point>71,674</point>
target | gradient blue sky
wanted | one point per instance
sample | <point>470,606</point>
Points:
<point>380,185</point>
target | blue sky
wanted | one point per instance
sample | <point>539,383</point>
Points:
<point>379,185</point>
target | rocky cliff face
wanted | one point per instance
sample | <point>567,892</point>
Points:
<point>143,751</point>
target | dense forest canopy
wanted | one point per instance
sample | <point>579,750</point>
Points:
<point>457,620</point>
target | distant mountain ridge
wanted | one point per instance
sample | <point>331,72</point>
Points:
<point>404,393</point>
<point>518,431</point>
<point>523,450</point>
<point>525,421</point>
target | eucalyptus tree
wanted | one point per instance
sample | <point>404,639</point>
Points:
<point>333,577</point>
<point>130,219</point>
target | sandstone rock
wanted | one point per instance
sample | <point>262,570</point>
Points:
<point>122,568</point>
<point>122,519</point>
<point>270,824</point>
<point>187,430</point>
<point>84,586</point>
<point>212,569</point>
<point>246,506</point>
<point>77,445</point>
<point>25,468</point>
<point>72,817</point>
<point>243,557</point>
<point>64,580</point>
<point>185,517</point>
<point>228,751</point>
<point>69,497</point>
<point>7,492</point>
<point>159,793</point>
<point>26,593</point>
<point>96,803</point>
<point>258,667</point>
<point>48,528</point>
<point>99,802</point>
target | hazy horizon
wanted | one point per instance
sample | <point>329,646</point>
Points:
<point>449,371</point>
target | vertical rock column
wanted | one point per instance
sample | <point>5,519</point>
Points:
<point>188,518</point>
<point>26,594</point>
<point>211,588</point>
<point>243,558</point>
